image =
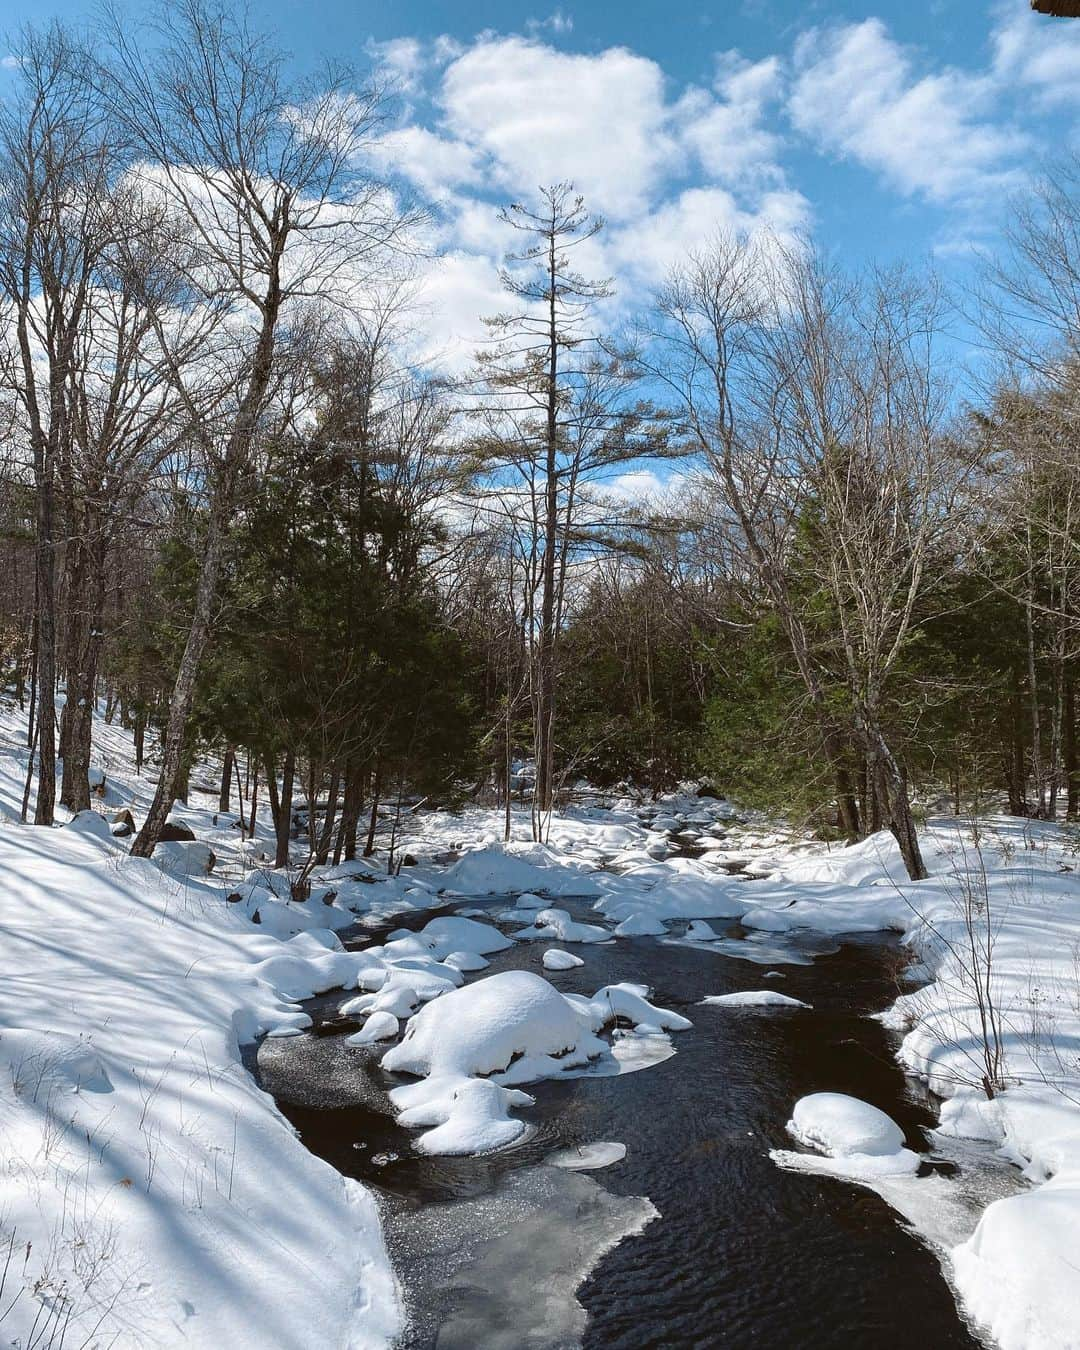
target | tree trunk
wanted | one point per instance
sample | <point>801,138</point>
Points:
<point>284,820</point>
<point>327,831</point>
<point>225,795</point>
<point>350,811</point>
<point>1072,769</point>
<point>369,847</point>
<point>222,509</point>
<point>545,697</point>
<point>86,601</point>
<point>892,791</point>
<point>45,803</point>
<point>254,802</point>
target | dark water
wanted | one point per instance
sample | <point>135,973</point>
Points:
<point>742,1253</point>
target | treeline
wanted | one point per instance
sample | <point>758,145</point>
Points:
<point>237,516</point>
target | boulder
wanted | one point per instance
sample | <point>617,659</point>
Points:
<point>123,824</point>
<point>173,832</point>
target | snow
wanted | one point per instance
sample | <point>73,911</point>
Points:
<point>640,925</point>
<point>755,998</point>
<point>860,1142</point>
<point>554,959</point>
<point>512,1028</point>
<point>381,1025</point>
<point>842,1125</point>
<point>137,1148</point>
<point>128,986</point>
<point>1019,1269</point>
<point>556,924</point>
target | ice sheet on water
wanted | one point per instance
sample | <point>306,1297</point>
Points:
<point>587,1157</point>
<point>477,1271</point>
<point>766,949</point>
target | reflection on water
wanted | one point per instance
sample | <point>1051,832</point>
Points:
<point>742,1253</point>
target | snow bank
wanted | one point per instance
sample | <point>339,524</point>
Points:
<point>136,1145</point>
<point>1019,1272</point>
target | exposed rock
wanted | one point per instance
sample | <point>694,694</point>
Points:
<point>173,832</point>
<point>123,824</point>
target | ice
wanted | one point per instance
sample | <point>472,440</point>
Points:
<point>587,1157</point>
<point>755,998</point>
<point>501,1271</point>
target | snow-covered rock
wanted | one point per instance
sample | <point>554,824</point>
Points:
<point>554,959</point>
<point>380,1026</point>
<point>640,925</point>
<point>557,925</point>
<point>859,1141</point>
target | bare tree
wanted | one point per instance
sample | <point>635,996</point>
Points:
<point>559,411</point>
<point>261,175</point>
<point>56,161</point>
<point>816,400</point>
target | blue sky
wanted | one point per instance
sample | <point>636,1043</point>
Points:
<point>902,127</point>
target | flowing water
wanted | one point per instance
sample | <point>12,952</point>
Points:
<point>695,1238</point>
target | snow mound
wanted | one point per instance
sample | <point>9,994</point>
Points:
<point>512,1028</point>
<point>700,931</point>
<point>39,1064</point>
<point>380,1026</point>
<point>838,1124</point>
<point>514,870</point>
<point>480,1029</point>
<point>630,1003</point>
<point>452,933</point>
<point>466,961</point>
<point>640,925</point>
<point>756,998</point>
<point>556,924</point>
<point>554,959</point>
<point>861,1142</point>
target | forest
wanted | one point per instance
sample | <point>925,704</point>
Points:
<point>365,655</point>
<point>238,515</point>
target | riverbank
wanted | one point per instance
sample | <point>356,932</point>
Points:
<point>166,1200</point>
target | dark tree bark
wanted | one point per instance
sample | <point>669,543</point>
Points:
<point>285,805</point>
<point>1069,749</point>
<point>225,795</point>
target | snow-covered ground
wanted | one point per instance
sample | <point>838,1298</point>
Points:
<point>165,1200</point>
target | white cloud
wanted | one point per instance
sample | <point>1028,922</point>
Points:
<point>1038,54</point>
<point>433,163</point>
<point>651,246</point>
<point>857,94</point>
<point>729,135</point>
<point>558,22</point>
<point>544,116</point>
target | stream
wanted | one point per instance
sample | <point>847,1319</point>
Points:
<point>695,1238</point>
